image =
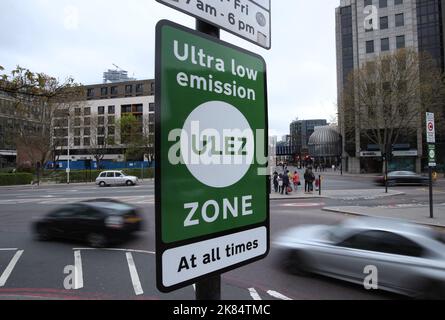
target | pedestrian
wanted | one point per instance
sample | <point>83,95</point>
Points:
<point>311,179</point>
<point>286,183</point>
<point>296,181</point>
<point>306,180</point>
<point>280,183</point>
<point>275,181</point>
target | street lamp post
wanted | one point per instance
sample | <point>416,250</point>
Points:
<point>68,146</point>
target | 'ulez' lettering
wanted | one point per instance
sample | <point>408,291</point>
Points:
<point>191,54</point>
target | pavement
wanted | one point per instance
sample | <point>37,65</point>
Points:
<point>419,214</point>
<point>355,194</point>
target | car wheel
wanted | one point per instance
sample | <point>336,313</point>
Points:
<point>129,183</point>
<point>97,240</point>
<point>102,184</point>
<point>296,263</point>
<point>42,234</point>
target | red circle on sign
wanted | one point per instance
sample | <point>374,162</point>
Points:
<point>430,126</point>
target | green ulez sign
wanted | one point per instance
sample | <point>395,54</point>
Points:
<point>212,202</point>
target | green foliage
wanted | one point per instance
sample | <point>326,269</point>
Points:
<point>10,179</point>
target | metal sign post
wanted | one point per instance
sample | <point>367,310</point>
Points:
<point>431,140</point>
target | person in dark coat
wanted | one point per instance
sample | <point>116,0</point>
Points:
<point>286,182</point>
<point>275,181</point>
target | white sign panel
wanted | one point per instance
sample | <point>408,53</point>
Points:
<point>249,19</point>
<point>430,128</point>
<point>188,262</point>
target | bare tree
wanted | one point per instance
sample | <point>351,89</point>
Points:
<point>38,97</point>
<point>389,97</point>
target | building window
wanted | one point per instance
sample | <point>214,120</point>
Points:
<point>104,91</point>
<point>368,3</point>
<point>397,2</point>
<point>77,132</point>
<point>384,23</point>
<point>152,87</point>
<point>385,44</point>
<point>111,109</point>
<point>114,91</point>
<point>151,107</point>
<point>86,121</point>
<point>77,122</point>
<point>400,42</point>
<point>139,88</point>
<point>111,130</point>
<point>86,132</point>
<point>138,108</point>
<point>90,93</point>
<point>101,131</point>
<point>86,141</point>
<point>400,20</point>
<point>383,3</point>
<point>101,110</point>
<point>126,108</point>
<point>100,120</point>
<point>100,141</point>
<point>111,119</point>
<point>77,142</point>
<point>128,89</point>
<point>151,118</point>
<point>87,111</point>
<point>370,46</point>
<point>77,111</point>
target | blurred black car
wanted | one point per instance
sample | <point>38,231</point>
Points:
<point>98,222</point>
<point>403,178</point>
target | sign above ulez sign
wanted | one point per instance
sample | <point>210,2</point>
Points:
<point>212,204</point>
<point>248,19</point>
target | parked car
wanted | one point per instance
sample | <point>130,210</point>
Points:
<point>404,178</point>
<point>110,178</point>
<point>410,259</point>
<point>98,222</point>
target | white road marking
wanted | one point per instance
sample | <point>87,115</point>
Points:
<point>78,272</point>
<point>254,294</point>
<point>10,268</point>
<point>278,295</point>
<point>134,275</point>
<point>113,249</point>
<point>194,287</point>
<point>9,249</point>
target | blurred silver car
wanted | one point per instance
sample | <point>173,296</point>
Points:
<point>410,259</point>
<point>109,178</point>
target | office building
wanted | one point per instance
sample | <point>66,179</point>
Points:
<point>416,24</point>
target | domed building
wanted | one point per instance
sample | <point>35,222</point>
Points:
<point>325,146</point>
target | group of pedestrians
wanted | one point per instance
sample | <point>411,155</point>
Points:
<point>287,182</point>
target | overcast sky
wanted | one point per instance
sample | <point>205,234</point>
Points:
<point>84,38</point>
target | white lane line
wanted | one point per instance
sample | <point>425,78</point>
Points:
<point>10,267</point>
<point>113,249</point>
<point>134,275</point>
<point>254,294</point>
<point>278,295</point>
<point>78,272</point>
<point>9,249</point>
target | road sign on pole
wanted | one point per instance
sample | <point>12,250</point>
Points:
<point>432,155</point>
<point>248,19</point>
<point>430,128</point>
<point>212,204</point>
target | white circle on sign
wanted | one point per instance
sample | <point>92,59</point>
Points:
<point>432,154</point>
<point>217,144</point>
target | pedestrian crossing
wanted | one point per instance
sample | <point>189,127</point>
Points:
<point>98,274</point>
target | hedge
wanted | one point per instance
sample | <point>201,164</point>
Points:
<point>11,179</point>
<point>79,176</point>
